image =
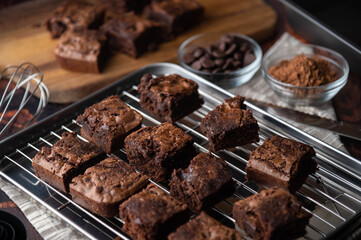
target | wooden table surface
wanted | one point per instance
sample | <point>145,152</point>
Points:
<point>347,105</point>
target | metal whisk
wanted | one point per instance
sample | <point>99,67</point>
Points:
<point>28,80</point>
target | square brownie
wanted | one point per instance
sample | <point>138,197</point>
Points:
<point>152,214</point>
<point>176,16</point>
<point>108,122</point>
<point>67,158</point>
<point>158,150</point>
<point>132,34</point>
<point>271,214</point>
<point>169,97</point>
<point>205,182</point>
<point>230,125</point>
<point>122,6</point>
<point>203,227</point>
<point>82,51</point>
<point>104,186</point>
<point>281,162</point>
<point>75,16</point>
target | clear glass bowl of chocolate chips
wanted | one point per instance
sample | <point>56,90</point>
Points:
<point>225,59</point>
<point>306,74</point>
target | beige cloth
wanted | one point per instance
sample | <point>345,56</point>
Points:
<point>258,89</point>
<point>50,226</point>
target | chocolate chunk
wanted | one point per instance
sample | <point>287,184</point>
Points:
<point>236,64</point>
<point>227,64</point>
<point>231,49</point>
<point>217,53</point>
<point>249,57</point>
<point>238,56</point>
<point>188,58</point>
<point>198,52</point>
<point>219,61</point>
<point>222,46</point>
<point>197,65</point>
<point>207,63</point>
<point>217,70</point>
<point>227,38</point>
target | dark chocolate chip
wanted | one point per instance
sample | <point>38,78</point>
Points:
<point>249,57</point>
<point>231,49</point>
<point>217,70</point>
<point>238,56</point>
<point>219,62</point>
<point>227,64</point>
<point>222,46</point>
<point>207,63</point>
<point>198,52</point>
<point>236,64</point>
<point>217,53</point>
<point>197,65</point>
<point>188,58</point>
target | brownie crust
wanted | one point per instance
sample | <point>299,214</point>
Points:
<point>152,214</point>
<point>281,162</point>
<point>108,122</point>
<point>74,16</point>
<point>104,186</point>
<point>169,97</point>
<point>68,158</point>
<point>205,182</point>
<point>203,227</point>
<point>230,125</point>
<point>158,150</point>
<point>82,51</point>
<point>272,214</point>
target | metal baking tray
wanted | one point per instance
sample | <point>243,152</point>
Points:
<point>332,195</point>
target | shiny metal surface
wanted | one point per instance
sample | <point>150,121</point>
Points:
<point>332,195</point>
<point>341,128</point>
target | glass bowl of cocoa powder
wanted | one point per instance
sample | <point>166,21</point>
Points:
<point>306,74</point>
<point>225,59</point>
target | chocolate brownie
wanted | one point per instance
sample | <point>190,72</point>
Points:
<point>205,182</point>
<point>75,16</point>
<point>104,186</point>
<point>271,214</point>
<point>158,150</point>
<point>203,227</point>
<point>152,214</point>
<point>281,162</point>
<point>169,97</point>
<point>230,125</point>
<point>108,122</point>
<point>67,158</point>
<point>81,51</point>
<point>132,34</point>
<point>175,15</point>
<point>122,6</point>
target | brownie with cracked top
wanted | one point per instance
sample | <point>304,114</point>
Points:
<point>203,227</point>
<point>205,182</point>
<point>152,214</point>
<point>75,16</point>
<point>158,150</point>
<point>66,159</point>
<point>230,125</point>
<point>281,162</point>
<point>104,186</point>
<point>82,51</point>
<point>169,97</point>
<point>271,214</point>
<point>176,16</point>
<point>108,122</point>
<point>132,34</point>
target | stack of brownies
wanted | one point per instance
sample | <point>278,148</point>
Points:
<point>90,30</point>
<point>109,186</point>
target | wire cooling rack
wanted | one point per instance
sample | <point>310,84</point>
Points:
<point>332,195</point>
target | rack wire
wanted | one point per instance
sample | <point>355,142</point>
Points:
<point>324,194</point>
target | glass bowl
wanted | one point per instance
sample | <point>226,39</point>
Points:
<point>302,96</point>
<point>225,80</point>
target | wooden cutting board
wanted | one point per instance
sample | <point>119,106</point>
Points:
<point>23,38</point>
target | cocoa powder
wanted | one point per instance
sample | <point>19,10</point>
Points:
<point>303,71</point>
